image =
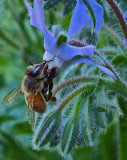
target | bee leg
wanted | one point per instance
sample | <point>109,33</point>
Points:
<point>45,62</point>
<point>27,112</point>
<point>33,120</point>
<point>51,86</point>
<point>52,74</point>
<point>30,114</point>
<point>45,67</point>
<point>49,95</point>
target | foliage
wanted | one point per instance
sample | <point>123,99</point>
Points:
<point>88,120</point>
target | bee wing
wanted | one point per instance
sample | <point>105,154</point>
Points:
<point>10,97</point>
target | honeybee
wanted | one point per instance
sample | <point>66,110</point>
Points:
<point>37,86</point>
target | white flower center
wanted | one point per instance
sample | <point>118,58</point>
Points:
<point>55,61</point>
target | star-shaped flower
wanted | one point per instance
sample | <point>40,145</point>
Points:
<point>58,54</point>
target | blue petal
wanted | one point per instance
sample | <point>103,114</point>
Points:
<point>79,18</point>
<point>102,68</point>
<point>67,52</point>
<point>29,8</point>
<point>98,12</point>
<point>37,20</point>
<point>125,17</point>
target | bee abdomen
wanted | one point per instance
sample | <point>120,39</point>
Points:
<point>36,102</point>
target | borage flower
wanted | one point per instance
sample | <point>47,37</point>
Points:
<point>56,53</point>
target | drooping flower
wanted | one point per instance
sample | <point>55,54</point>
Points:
<point>58,54</point>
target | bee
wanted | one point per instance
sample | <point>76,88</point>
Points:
<point>37,86</point>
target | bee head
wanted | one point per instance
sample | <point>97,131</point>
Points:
<point>34,71</point>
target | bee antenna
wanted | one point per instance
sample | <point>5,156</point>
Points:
<point>30,63</point>
<point>33,59</point>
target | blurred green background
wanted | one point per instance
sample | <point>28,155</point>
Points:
<point>19,42</point>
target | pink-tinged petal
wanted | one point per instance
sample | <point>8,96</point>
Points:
<point>102,68</point>
<point>37,20</point>
<point>67,52</point>
<point>79,18</point>
<point>98,12</point>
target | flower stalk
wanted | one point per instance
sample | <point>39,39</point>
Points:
<point>108,65</point>
<point>119,15</point>
<point>72,81</point>
<point>74,93</point>
<point>115,37</point>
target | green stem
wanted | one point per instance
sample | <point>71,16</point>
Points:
<point>115,36</point>
<point>110,51</point>
<point>75,93</point>
<point>119,15</point>
<point>118,86</point>
<point>72,81</point>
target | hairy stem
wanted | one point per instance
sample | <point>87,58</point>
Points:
<point>72,81</point>
<point>108,65</point>
<point>108,51</point>
<point>115,37</point>
<point>119,15</point>
<point>74,93</point>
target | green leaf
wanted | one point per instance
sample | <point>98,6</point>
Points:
<point>61,39</point>
<point>21,128</point>
<point>47,129</point>
<point>87,122</point>
<point>120,59</point>
<point>71,130</point>
<point>69,136</point>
